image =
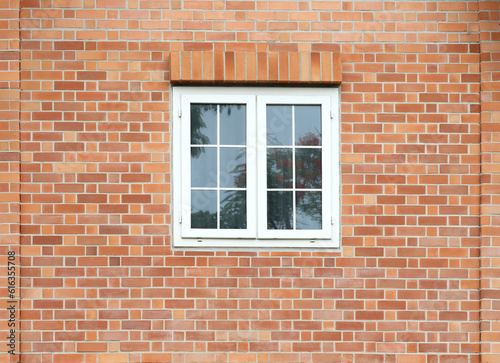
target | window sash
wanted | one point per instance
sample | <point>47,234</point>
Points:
<point>326,166</point>
<point>187,230</point>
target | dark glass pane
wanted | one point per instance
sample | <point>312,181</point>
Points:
<point>203,124</point>
<point>308,125</point>
<point>279,168</point>
<point>204,209</point>
<point>204,168</point>
<point>233,209</point>
<point>279,125</point>
<point>279,210</point>
<point>232,124</point>
<point>233,167</point>
<point>308,207</point>
<point>308,168</point>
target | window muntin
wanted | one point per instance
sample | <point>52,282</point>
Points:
<point>259,167</point>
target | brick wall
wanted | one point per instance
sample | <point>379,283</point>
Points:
<point>489,23</point>
<point>100,281</point>
<point>9,149</point>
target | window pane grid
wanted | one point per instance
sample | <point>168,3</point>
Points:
<point>294,176</point>
<point>218,166</point>
<point>277,142</point>
<point>201,143</point>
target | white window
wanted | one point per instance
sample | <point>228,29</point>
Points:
<point>255,168</point>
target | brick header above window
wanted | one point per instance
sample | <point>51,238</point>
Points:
<point>313,68</point>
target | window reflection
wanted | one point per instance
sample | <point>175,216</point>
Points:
<point>232,124</point>
<point>279,124</point>
<point>308,168</point>
<point>216,168</point>
<point>232,167</point>
<point>279,168</point>
<point>297,169</point>
<point>308,125</point>
<point>279,210</point>
<point>233,209</point>
<point>308,206</point>
<point>204,168</point>
<point>204,209</point>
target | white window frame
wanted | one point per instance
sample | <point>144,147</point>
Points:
<point>256,236</point>
<point>187,231</point>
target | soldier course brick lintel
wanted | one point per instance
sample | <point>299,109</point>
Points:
<point>305,68</point>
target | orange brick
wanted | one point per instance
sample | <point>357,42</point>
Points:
<point>273,67</point>
<point>90,207</point>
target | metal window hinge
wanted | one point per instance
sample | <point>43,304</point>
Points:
<point>331,220</point>
<point>180,112</point>
<point>331,113</point>
<point>180,219</point>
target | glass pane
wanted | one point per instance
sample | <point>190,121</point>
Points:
<point>233,209</point>
<point>203,124</point>
<point>204,209</point>
<point>233,167</point>
<point>279,124</point>
<point>204,167</point>
<point>308,125</point>
<point>279,168</point>
<point>279,210</point>
<point>233,124</point>
<point>308,168</point>
<point>308,208</point>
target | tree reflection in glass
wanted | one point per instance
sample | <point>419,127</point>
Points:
<point>279,168</point>
<point>294,172</point>
<point>280,210</point>
<point>308,207</point>
<point>204,209</point>
<point>233,203</point>
<point>203,126</point>
<point>217,166</point>
<point>233,209</point>
<point>308,168</point>
<point>308,204</point>
<point>308,175</point>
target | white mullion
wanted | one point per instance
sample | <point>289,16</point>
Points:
<point>251,166</point>
<point>246,168</point>
<point>293,171</point>
<point>218,166</point>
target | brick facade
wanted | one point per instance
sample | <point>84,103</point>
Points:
<point>270,68</point>
<point>85,182</point>
<point>490,175</point>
